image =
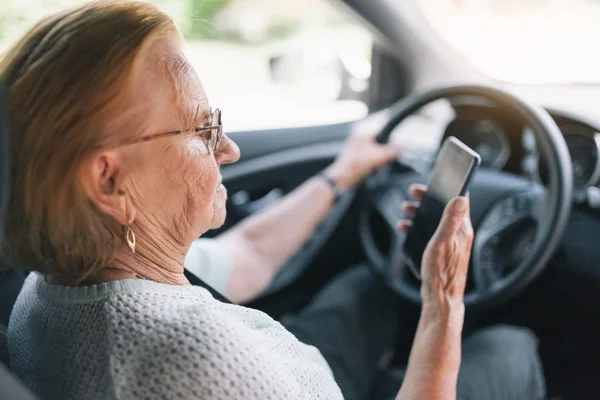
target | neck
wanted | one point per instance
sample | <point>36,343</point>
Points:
<point>160,263</point>
<point>157,257</point>
<point>126,266</point>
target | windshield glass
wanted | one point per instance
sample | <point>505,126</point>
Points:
<point>523,41</point>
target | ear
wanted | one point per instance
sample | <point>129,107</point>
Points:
<point>102,179</point>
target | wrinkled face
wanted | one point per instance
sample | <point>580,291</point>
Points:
<point>175,183</point>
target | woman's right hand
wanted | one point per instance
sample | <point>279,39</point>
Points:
<point>446,257</point>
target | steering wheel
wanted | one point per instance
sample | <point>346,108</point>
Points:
<point>518,223</point>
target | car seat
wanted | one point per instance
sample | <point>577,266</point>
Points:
<point>10,281</point>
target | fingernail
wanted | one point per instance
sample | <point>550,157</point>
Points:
<point>460,205</point>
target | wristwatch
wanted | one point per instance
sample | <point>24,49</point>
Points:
<point>329,180</point>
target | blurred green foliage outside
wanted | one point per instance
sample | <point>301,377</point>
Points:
<point>197,19</point>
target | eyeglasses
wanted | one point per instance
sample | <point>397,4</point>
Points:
<point>212,134</point>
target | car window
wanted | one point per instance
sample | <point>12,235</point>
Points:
<point>523,41</point>
<point>264,63</point>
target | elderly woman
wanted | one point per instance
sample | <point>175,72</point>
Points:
<point>116,162</point>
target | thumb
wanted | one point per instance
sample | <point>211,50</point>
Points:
<point>388,152</point>
<point>453,216</point>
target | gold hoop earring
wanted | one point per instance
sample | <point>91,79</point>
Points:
<point>129,237</point>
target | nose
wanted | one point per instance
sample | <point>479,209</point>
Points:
<point>228,152</point>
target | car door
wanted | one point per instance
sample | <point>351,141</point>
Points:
<point>291,89</point>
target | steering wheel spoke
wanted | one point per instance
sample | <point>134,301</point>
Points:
<point>398,266</point>
<point>387,203</point>
<point>506,235</point>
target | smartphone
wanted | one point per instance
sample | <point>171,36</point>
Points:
<point>450,177</point>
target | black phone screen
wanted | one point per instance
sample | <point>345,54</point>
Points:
<point>449,178</point>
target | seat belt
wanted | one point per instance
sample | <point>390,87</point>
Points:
<point>194,280</point>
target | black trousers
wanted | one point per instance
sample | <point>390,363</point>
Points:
<point>356,319</point>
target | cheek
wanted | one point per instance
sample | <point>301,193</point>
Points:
<point>202,184</point>
<point>200,172</point>
<point>177,187</point>
<point>181,187</point>
<point>196,147</point>
<point>201,176</point>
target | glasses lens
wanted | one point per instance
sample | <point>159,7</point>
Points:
<point>212,141</point>
<point>218,136</point>
<point>216,133</point>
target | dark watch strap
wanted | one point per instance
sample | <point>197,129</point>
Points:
<point>336,190</point>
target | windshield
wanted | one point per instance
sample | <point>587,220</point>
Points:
<point>523,41</point>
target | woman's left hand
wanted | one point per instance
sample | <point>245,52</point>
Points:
<point>361,155</point>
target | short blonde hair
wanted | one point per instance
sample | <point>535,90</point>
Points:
<point>61,77</point>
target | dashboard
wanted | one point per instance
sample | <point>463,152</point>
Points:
<point>505,143</point>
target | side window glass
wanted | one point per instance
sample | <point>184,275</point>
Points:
<point>265,63</point>
<point>277,64</point>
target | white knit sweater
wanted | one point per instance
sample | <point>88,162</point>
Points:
<point>135,339</point>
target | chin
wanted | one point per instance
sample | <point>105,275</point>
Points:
<point>218,218</point>
<point>216,224</point>
<point>219,210</point>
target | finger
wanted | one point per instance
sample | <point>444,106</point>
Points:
<point>387,153</point>
<point>369,133</point>
<point>468,215</point>
<point>409,208</point>
<point>454,217</point>
<point>392,151</point>
<point>404,225</point>
<point>416,191</point>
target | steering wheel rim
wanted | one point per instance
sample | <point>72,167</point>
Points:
<point>557,196</point>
